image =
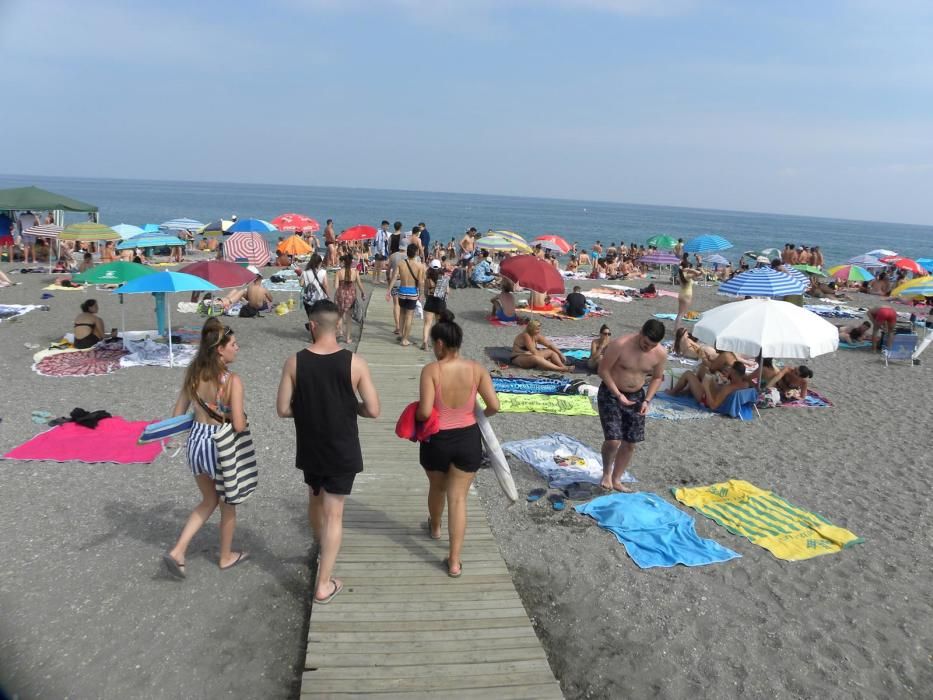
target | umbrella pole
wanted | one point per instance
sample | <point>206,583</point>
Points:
<point>171,356</point>
<point>123,311</point>
<point>761,370</point>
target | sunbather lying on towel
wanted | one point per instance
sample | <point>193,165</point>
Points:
<point>709,393</point>
<point>854,334</point>
<point>527,355</point>
<point>686,345</point>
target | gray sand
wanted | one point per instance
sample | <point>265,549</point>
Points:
<point>88,611</point>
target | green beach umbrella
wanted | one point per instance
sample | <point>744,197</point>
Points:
<point>810,270</point>
<point>89,232</point>
<point>117,272</point>
<point>663,242</point>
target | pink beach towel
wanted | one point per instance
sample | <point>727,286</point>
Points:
<point>113,440</point>
<point>668,293</point>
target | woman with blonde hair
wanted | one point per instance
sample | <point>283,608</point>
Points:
<point>527,355</point>
<point>685,278</point>
<point>216,394</point>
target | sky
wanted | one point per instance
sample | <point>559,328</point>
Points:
<point>796,107</point>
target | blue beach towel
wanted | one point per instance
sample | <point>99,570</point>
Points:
<point>576,354</point>
<point>855,346</point>
<point>529,385</point>
<point>654,532</point>
<point>683,407</point>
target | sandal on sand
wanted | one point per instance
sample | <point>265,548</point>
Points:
<point>241,557</point>
<point>175,568</point>
<point>324,601</point>
<point>535,495</point>
<point>557,501</point>
<point>451,573</point>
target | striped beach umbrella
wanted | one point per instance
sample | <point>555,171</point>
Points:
<point>880,253</point>
<point>127,230</point>
<point>510,235</point>
<point>151,240</point>
<point>851,273</point>
<point>249,247</point>
<point>763,282</point>
<point>44,231</point>
<point>663,242</point>
<point>251,226</point>
<point>867,261</point>
<point>504,245</point>
<point>182,224</point>
<point>659,259</point>
<point>707,244</point>
<point>918,287</point>
<point>88,231</point>
<point>717,259</point>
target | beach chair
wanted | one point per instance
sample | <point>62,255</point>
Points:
<point>902,348</point>
<point>741,404</point>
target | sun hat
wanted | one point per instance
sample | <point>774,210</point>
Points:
<point>436,264</point>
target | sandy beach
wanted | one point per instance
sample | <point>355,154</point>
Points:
<point>88,610</point>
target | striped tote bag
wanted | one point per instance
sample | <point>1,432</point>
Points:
<point>237,473</point>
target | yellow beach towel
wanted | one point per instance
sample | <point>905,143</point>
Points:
<point>59,288</point>
<point>788,532</point>
<point>570,405</point>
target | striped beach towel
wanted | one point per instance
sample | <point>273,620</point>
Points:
<point>766,519</point>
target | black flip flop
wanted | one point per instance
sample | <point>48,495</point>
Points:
<point>243,556</point>
<point>175,568</point>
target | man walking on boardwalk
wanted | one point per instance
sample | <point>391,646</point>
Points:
<point>622,399</point>
<point>325,388</point>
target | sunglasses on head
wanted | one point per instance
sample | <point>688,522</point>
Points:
<point>228,331</point>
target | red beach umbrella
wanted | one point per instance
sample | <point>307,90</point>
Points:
<point>533,273</point>
<point>251,247</point>
<point>553,242</point>
<point>295,222</point>
<point>904,264</point>
<point>220,272</point>
<point>359,232</point>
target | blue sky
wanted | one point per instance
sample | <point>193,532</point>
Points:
<point>818,108</point>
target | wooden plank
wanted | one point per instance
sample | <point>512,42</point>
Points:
<point>434,671</point>
<point>419,646</point>
<point>329,658</point>
<point>448,685</point>
<point>528,692</point>
<point>425,625</point>
<point>479,637</point>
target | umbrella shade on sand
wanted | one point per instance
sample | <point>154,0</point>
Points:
<point>88,231</point>
<point>767,328</point>
<point>550,241</point>
<point>763,282</point>
<point>249,247</point>
<point>295,222</point>
<point>220,273</point>
<point>707,244</point>
<point>663,242</point>
<point>294,245</point>
<point>533,273</point>
<point>251,226</point>
<point>851,273</point>
<point>360,232</point>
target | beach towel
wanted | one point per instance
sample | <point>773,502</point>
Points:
<point>558,404</point>
<point>147,352</point>
<point>290,286</point>
<point>788,532</point>
<point>669,407</point>
<point>60,288</point>
<point>854,346</point>
<point>827,311</point>
<point>812,400</point>
<point>570,342</point>
<point>502,356</point>
<point>653,532</point>
<point>79,363</point>
<point>668,293</point>
<point>607,296</point>
<point>11,311</point>
<point>113,440</point>
<point>560,459</point>
<point>493,321</point>
<point>529,385</point>
<point>576,354</point>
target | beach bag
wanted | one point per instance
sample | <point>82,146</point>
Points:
<point>313,291</point>
<point>458,278</point>
<point>237,474</point>
<point>356,311</point>
<point>247,311</point>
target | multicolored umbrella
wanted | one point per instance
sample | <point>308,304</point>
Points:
<point>902,263</point>
<point>360,232</point>
<point>550,241</point>
<point>927,263</point>
<point>663,242</point>
<point>707,244</point>
<point>251,226</point>
<point>220,273</point>
<point>182,224</point>
<point>294,245</point>
<point>505,245</point>
<point>850,273</point>
<point>151,240</point>
<point>918,287</point>
<point>295,222</point>
<point>763,282</point>
<point>88,231</point>
<point>247,247</point>
<point>533,273</point>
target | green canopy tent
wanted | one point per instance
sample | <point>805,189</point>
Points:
<point>36,199</point>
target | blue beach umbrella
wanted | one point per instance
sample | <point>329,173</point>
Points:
<point>150,228</point>
<point>926,263</point>
<point>182,224</point>
<point>159,284</point>
<point>717,259</point>
<point>127,230</point>
<point>707,244</point>
<point>763,282</point>
<point>151,240</point>
<point>251,226</point>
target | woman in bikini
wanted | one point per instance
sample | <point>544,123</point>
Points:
<point>216,395</point>
<point>598,347</point>
<point>688,346</point>
<point>88,326</point>
<point>685,277</point>
<point>347,282</point>
<point>527,355</point>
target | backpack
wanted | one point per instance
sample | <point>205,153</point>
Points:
<point>247,311</point>
<point>313,291</point>
<point>458,279</point>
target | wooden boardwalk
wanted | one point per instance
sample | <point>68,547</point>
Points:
<point>401,627</point>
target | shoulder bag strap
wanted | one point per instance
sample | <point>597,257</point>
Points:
<point>414,277</point>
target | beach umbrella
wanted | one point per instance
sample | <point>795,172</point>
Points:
<point>717,259</point>
<point>251,226</point>
<point>295,222</point>
<point>150,228</point>
<point>659,259</point>
<point>127,230</point>
<point>217,227</point>
<point>151,240</point>
<point>880,253</point>
<point>917,287</point>
<point>550,241</point>
<point>360,232</point>
<point>706,244</point>
<point>505,245</point>
<point>867,261</point>
<point>251,247</point>
<point>510,235</point>
<point>902,263</point>
<point>663,242</point>
<point>926,263</point>
<point>533,273</point>
<point>166,282</point>
<point>118,272</point>
<point>48,231</point>
<point>182,224</point>
<point>850,273</point>
<point>88,231</point>
<point>767,328</point>
<point>294,245</point>
<point>810,270</point>
<point>763,282</point>
<point>220,273</point>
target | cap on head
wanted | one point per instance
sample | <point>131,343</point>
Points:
<point>435,264</point>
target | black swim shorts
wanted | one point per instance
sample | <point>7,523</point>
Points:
<point>379,258</point>
<point>335,484</point>
<point>407,304</point>
<point>462,447</point>
<point>620,422</point>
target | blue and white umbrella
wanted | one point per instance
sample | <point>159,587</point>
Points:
<point>925,263</point>
<point>717,259</point>
<point>867,261</point>
<point>182,225</point>
<point>127,231</point>
<point>763,282</point>
<point>707,244</point>
<point>251,226</point>
<point>151,240</point>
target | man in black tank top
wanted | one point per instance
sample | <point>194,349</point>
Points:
<point>319,389</point>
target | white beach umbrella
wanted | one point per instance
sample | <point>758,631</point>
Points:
<point>767,328</point>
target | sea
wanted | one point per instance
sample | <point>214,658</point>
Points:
<point>448,215</point>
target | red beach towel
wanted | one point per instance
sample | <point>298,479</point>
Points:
<point>113,440</point>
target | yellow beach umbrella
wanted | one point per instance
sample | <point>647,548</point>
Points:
<point>918,287</point>
<point>89,231</point>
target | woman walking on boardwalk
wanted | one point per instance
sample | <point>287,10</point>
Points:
<point>452,456</point>
<point>216,395</point>
<point>347,281</point>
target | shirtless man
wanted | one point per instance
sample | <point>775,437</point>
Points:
<point>622,399</point>
<point>330,239</point>
<point>468,245</point>
<point>258,296</point>
<point>410,273</point>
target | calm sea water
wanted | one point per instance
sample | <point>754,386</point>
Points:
<point>449,215</point>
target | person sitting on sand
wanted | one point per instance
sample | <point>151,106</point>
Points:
<point>88,326</point>
<point>767,371</point>
<point>527,355</point>
<point>575,304</point>
<point>540,301</point>
<point>709,393</point>
<point>853,335</point>
<point>503,304</point>
<point>883,320</point>
<point>482,275</point>
<point>283,259</point>
<point>257,296</point>
<point>880,286</point>
<point>598,347</point>
<point>792,382</point>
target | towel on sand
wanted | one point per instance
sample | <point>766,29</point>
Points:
<point>788,532</point>
<point>670,407</point>
<point>559,404</point>
<point>113,440</point>
<point>11,311</point>
<point>560,459</point>
<point>855,346</point>
<point>812,400</point>
<point>147,352</point>
<point>529,385</point>
<point>654,532</point>
<point>493,321</point>
<point>60,288</point>
<point>80,363</point>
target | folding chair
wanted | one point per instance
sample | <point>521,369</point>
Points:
<point>902,348</point>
